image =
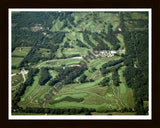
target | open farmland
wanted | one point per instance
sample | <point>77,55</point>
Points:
<point>16,61</point>
<point>18,55</point>
<point>21,51</point>
<point>79,63</point>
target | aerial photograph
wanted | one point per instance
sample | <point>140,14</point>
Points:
<point>81,63</point>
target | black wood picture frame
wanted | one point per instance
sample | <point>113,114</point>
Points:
<point>6,4</point>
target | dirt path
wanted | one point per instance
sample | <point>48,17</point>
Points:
<point>23,72</point>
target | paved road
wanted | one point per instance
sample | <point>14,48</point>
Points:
<point>23,72</point>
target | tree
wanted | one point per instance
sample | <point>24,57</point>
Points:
<point>105,81</point>
<point>45,76</point>
<point>115,78</point>
<point>110,28</point>
<point>83,78</point>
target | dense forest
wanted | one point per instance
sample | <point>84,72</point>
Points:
<point>45,76</point>
<point>108,67</point>
<point>72,111</point>
<point>67,75</point>
<point>136,60</point>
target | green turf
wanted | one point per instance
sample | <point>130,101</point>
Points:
<point>53,73</point>
<point>34,92</point>
<point>76,50</point>
<point>126,94</point>
<point>16,61</point>
<point>58,62</point>
<point>120,38</point>
<point>21,51</point>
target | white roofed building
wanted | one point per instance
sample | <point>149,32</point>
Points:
<point>113,52</point>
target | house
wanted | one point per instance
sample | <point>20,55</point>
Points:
<point>113,52</point>
<point>110,55</point>
<point>120,29</point>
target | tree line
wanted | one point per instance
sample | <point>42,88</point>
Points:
<point>67,75</point>
<point>136,77</point>
<point>29,19</point>
<point>111,37</point>
<point>101,44</point>
<point>86,38</point>
<point>81,44</point>
<point>34,56</point>
<point>44,76</point>
<point>58,111</point>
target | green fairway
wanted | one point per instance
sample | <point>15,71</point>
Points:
<point>59,62</point>
<point>75,51</point>
<point>33,93</point>
<point>53,73</point>
<point>120,38</point>
<point>126,94</point>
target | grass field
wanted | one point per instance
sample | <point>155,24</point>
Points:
<point>98,62</point>
<point>21,51</point>
<point>76,50</point>
<point>120,38</point>
<point>18,55</point>
<point>58,62</point>
<point>16,61</point>
<point>33,93</point>
<point>53,73</point>
<point>126,94</point>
